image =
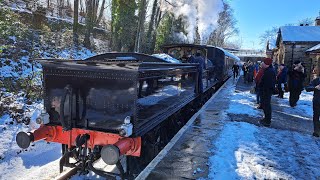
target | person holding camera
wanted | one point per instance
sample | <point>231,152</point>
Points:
<point>296,78</point>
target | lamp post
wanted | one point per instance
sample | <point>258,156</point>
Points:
<point>293,46</point>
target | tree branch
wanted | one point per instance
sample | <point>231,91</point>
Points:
<point>170,3</point>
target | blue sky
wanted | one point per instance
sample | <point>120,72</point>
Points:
<point>256,16</point>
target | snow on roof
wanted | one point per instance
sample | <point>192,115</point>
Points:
<point>314,48</point>
<point>166,58</point>
<point>300,33</point>
<point>227,53</point>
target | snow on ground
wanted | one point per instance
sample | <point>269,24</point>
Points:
<point>243,103</point>
<point>40,160</point>
<point>82,53</point>
<point>246,151</point>
<point>9,70</point>
<point>33,163</point>
<point>303,108</point>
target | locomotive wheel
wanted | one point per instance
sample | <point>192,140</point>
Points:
<point>152,144</point>
<point>152,141</point>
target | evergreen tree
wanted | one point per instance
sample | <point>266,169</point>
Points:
<point>164,32</point>
<point>124,25</point>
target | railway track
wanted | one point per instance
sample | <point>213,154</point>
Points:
<point>67,174</point>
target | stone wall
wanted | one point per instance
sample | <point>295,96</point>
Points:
<point>315,67</point>
<point>298,52</point>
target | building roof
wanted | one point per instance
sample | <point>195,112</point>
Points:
<point>299,34</point>
<point>314,48</point>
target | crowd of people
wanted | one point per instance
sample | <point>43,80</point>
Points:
<point>271,78</point>
<point>249,71</point>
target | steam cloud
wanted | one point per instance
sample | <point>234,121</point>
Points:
<point>199,14</point>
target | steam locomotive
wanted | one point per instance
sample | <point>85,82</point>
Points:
<point>118,106</point>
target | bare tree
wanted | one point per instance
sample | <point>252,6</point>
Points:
<point>233,44</point>
<point>269,35</point>
<point>157,21</point>
<point>60,5</point>
<point>306,21</point>
<point>89,21</point>
<point>151,28</point>
<point>226,26</point>
<point>141,21</point>
<point>101,12</point>
<point>75,21</point>
<point>93,17</point>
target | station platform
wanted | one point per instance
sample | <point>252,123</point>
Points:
<point>187,155</point>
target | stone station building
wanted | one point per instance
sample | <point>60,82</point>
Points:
<point>298,43</point>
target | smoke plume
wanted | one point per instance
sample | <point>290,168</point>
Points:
<point>201,15</point>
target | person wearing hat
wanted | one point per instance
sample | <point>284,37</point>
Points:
<point>267,85</point>
<point>296,78</point>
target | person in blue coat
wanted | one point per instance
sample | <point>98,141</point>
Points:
<point>202,65</point>
<point>281,79</point>
<point>315,87</point>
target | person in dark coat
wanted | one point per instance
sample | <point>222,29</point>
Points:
<point>258,90</point>
<point>281,79</point>
<point>267,85</point>
<point>202,65</point>
<point>275,66</point>
<point>250,72</point>
<point>315,86</point>
<point>296,78</point>
<point>235,69</point>
<point>190,59</point>
<point>244,69</point>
